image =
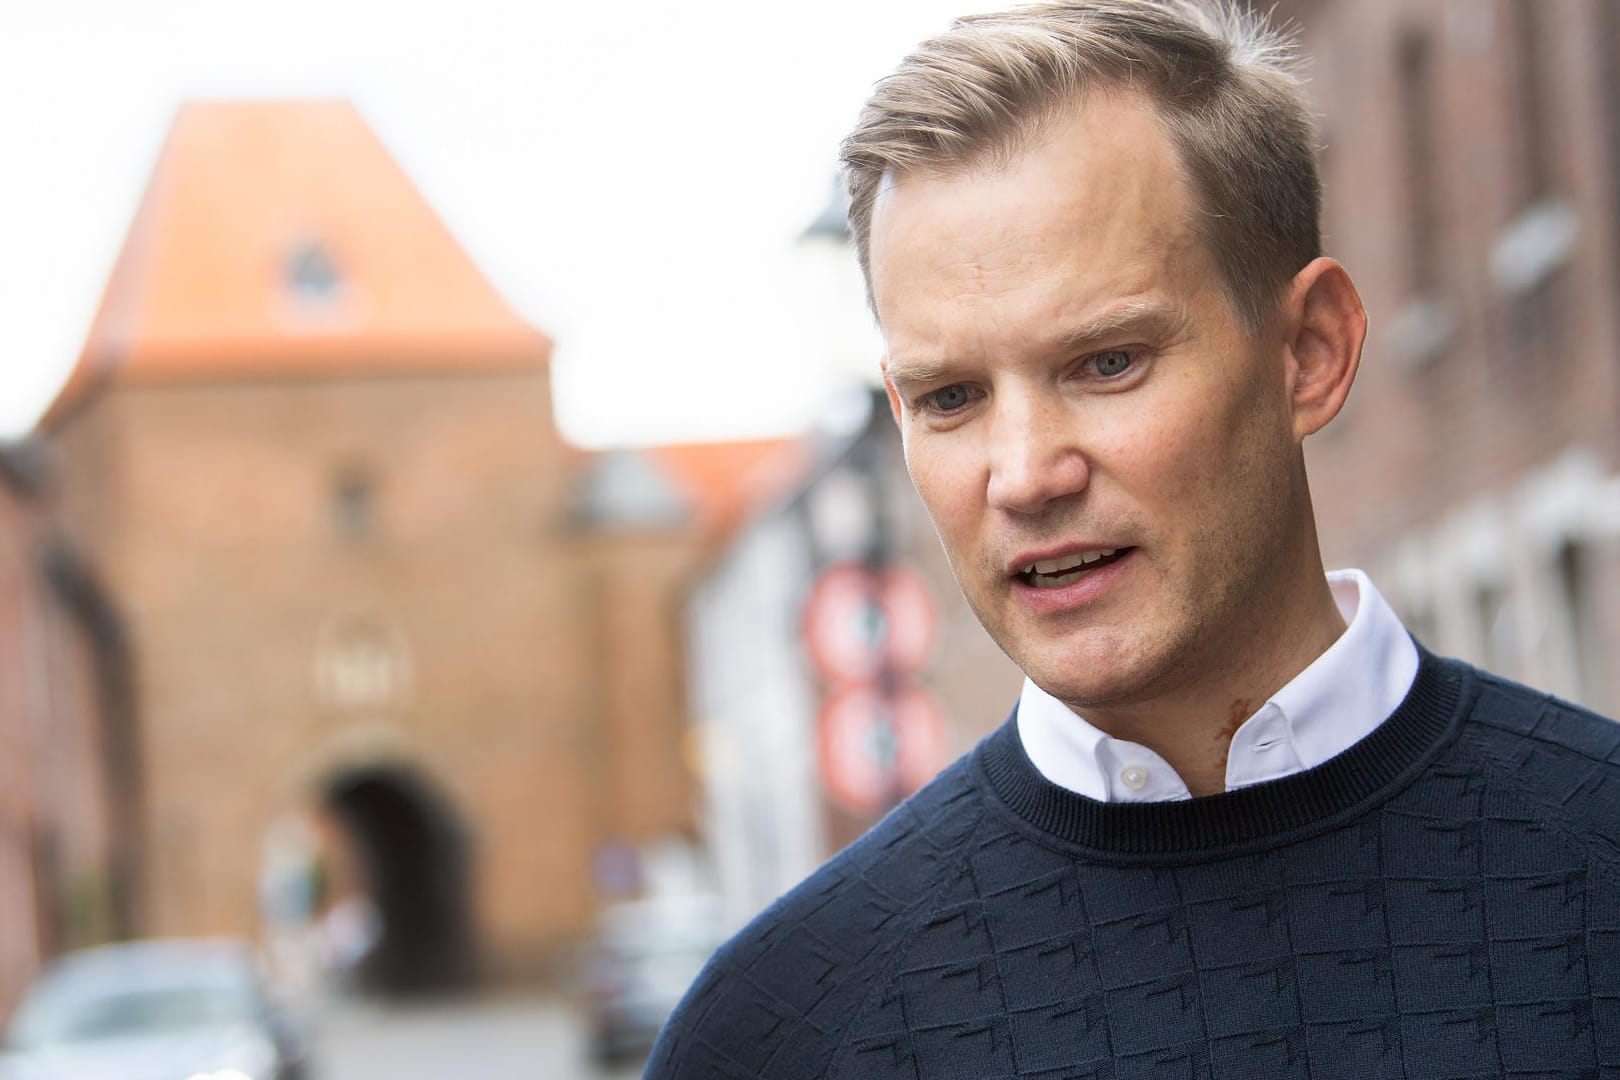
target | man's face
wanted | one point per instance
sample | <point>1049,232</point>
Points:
<point>1106,452</point>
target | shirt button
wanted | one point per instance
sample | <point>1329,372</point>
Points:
<point>1134,777</point>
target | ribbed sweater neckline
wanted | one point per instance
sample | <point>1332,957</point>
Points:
<point>1212,824</point>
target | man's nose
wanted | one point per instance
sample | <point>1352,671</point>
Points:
<point>1034,458</point>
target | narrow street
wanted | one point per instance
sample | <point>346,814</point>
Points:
<point>509,1038</point>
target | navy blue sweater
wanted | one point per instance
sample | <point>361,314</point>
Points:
<point>1442,900</point>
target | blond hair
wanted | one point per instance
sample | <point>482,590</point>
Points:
<point>1223,84</point>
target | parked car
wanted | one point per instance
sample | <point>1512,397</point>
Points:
<point>152,1010</point>
<point>645,955</point>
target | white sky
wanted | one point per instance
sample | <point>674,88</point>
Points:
<point>632,175</point>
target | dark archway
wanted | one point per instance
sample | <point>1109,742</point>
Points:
<point>413,855</point>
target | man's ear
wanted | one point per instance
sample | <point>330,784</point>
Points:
<point>1326,325</point>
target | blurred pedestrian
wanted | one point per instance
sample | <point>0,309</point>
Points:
<point>1240,823</point>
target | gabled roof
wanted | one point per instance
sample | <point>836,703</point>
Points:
<point>709,488</point>
<point>281,238</point>
<point>833,221</point>
<point>626,489</point>
<point>724,481</point>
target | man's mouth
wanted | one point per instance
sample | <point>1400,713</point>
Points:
<point>1056,573</point>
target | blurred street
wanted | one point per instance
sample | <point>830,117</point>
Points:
<point>518,1038</point>
<point>415,568</point>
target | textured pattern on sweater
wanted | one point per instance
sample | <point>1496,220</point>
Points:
<point>1458,918</point>
<point>779,997</point>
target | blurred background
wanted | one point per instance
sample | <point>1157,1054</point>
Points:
<point>454,556</point>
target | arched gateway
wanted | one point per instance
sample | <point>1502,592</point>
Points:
<point>413,857</point>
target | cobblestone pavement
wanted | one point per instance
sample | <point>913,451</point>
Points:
<point>513,1038</point>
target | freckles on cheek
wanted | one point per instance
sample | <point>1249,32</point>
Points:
<point>944,482</point>
<point>932,484</point>
<point>1153,454</point>
<point>1179,449</point>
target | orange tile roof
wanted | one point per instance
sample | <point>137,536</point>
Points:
<point>725,480</point>
<point>281,238</point>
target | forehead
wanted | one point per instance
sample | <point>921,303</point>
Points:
<point>1095,200</point>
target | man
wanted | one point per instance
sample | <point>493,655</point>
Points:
<point>1240,825</point>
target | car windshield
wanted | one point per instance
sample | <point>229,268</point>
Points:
<point>46,1022</point>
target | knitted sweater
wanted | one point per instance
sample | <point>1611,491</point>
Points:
<point>1442,900</point>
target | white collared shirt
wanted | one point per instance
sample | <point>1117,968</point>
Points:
<point>1324,710</point>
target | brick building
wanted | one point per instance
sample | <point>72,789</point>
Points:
<point>65,826</point>
<point>1472,175</point>
<point>311,452</point>
<point>647,521</point>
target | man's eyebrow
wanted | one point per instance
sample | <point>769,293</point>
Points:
<point>1152,317</point>
<point>916,371</point>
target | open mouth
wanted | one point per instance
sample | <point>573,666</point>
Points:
<point>1056,573</point>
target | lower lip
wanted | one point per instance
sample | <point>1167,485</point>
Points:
<point>1089,589</point>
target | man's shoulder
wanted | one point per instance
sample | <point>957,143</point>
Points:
<point>1531,721</point>
<point>1561,756</point>
<point>776,999</point>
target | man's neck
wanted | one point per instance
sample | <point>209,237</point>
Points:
<point>1191,725</point>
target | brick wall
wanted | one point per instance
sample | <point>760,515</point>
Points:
<point>1471,171</point>
<point>325,574</point>
<point>19,929</point>
<point>56,873</point>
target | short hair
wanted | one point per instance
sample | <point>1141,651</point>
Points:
<point>1224,84</point>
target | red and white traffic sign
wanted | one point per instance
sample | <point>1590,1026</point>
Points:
<point>859,620</point>
<point>873,751</point>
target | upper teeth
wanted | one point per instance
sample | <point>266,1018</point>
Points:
<point>1068,562</point>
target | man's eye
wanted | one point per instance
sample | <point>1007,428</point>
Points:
<point>1111,363</point>
<point>948,398</point>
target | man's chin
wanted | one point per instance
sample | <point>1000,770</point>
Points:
<point>1082,678</point>
<point>1085,695</point>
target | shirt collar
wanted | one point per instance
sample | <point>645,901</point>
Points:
<point>1335,702</point>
